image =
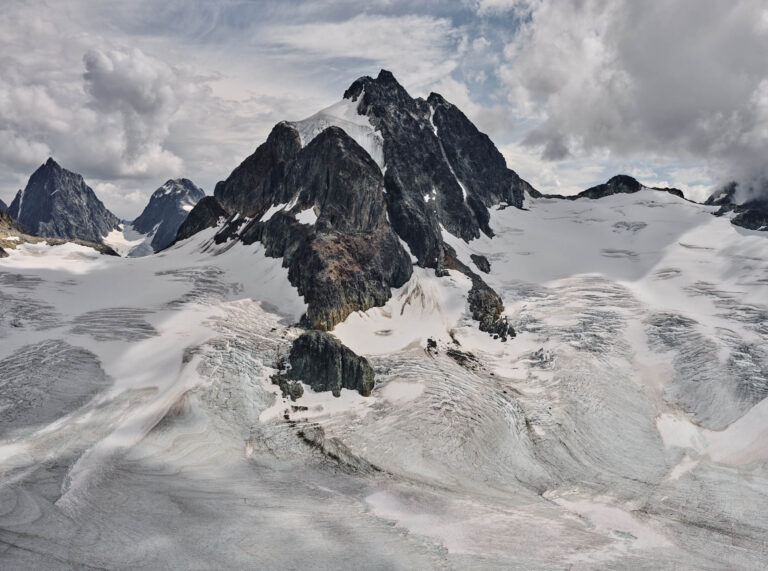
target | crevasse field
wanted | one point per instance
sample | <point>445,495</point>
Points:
<point>625,427</point>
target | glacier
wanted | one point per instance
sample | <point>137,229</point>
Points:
<point>624,427</point>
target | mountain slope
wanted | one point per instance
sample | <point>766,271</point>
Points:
<point>57,203</point>
<point>355,181</point>
<point>167,209</point>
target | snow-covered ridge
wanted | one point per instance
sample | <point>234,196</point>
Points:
<point>343,115</point>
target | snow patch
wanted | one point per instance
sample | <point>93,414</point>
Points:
<point>307,216</point>
<point>272,210</point>
<point>344,115</point>
<point>426,306</point>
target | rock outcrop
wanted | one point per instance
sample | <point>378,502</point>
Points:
<point>207,213</point>
<point>751,214</point>
<point>619,184</point>
<point>167,210</point>
<point>56,203</point>
<point>322,211</point>
<point>322,362</point>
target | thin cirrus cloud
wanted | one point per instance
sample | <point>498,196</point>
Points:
<point>573,91</point>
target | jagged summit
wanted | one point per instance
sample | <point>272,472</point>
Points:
<point>57,203</point>
<point>338,194</point>
<point>166,210</point>
<point>441,170</point>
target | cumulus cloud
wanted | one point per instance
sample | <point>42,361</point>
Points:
<point>139,93</point>
<point>684,79</point>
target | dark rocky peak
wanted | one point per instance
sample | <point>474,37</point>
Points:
<point>166,210</point>
<point>619,184</point>
<point>724,195</point>
<point>341,181</point>
<point>324,213</point>
<point>334,216</point>
<point>440,169</point>
<point>3,205</point>
<point>56,203</point>
<point>751,213</point>
<point>251,185</point>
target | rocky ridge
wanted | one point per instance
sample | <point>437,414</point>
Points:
<point>619,184</point>
<point>751,214</point>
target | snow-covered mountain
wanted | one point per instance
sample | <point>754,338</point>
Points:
<point>157,225</point>
<point>56,203</point>
<point>523,381</point>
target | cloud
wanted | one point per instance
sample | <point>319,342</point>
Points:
<point>683,79</point>
<point>421,49</point>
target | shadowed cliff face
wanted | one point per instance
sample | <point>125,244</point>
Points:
<point>323,212</point>
<point>440,170</point>
<point>207,213</point>
<point>57,203</point>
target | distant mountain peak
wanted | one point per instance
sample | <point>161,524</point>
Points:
<point>56,203</point>
<point>165,212</point>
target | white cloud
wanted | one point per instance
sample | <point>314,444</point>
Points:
<point>651,79</point>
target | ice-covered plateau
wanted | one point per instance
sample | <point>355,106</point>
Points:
<point>625,426</point>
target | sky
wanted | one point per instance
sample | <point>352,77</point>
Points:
<point>130,94</point>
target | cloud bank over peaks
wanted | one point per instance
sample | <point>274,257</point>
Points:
<point>680,79</point>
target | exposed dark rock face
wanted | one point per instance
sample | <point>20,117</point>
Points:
<point>252,186</point>
<point>207,213</point>
<point>349,258</point>
<point>482,263</point>
<point>3,206</point>
<point>321,361</point>
<point>751,214</point>
<point>167,209</point>
<point>57,203</point>
<point>440,168</point>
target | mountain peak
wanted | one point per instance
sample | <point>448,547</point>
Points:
<point>166,210</point>
<point>56,203</point>
<point>385,83</point>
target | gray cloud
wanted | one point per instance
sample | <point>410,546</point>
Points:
<point>131,93</point>
<point>684,79</point>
